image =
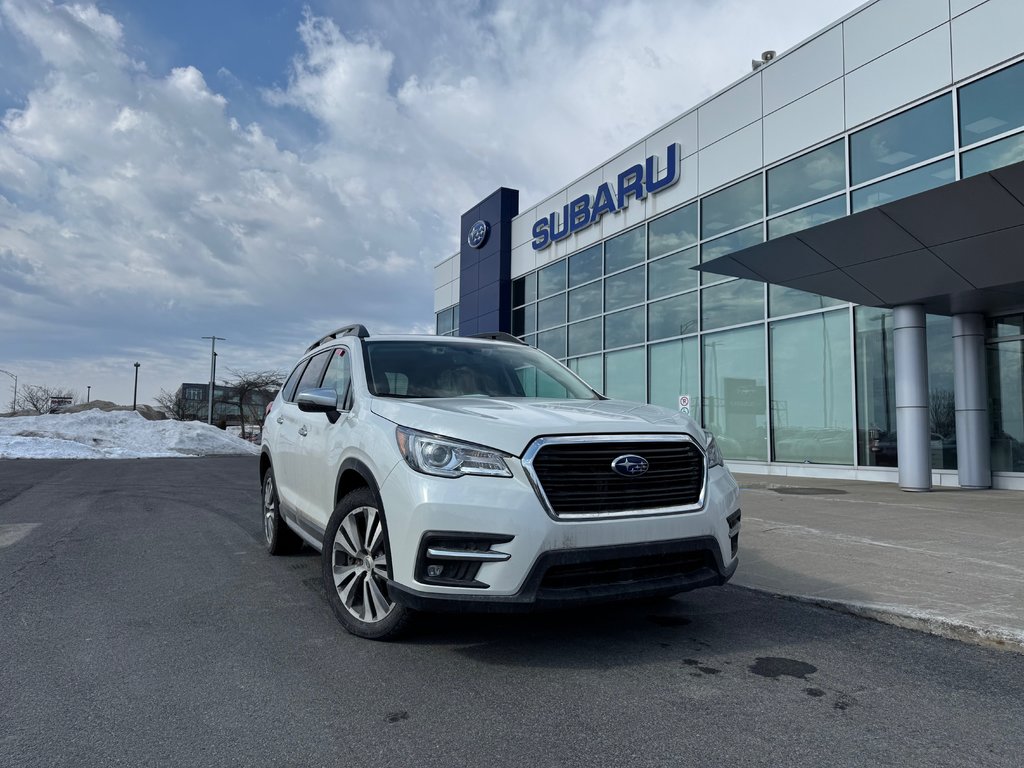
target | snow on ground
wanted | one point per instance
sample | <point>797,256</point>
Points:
<point>112,435</point>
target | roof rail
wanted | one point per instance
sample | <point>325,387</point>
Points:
<point>498,336</point>
<point>346,330</point>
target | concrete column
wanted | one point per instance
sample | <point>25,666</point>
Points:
<point>910,353</point>
<point>970,380</point>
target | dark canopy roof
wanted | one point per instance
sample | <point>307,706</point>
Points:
<point>957,248</point>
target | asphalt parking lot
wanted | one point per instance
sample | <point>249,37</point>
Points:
<point>142,624</point>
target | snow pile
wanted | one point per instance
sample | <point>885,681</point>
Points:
<point>112,435</point>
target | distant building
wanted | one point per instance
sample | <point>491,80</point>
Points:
<point>195,398</point>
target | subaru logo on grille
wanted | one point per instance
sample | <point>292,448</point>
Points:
<point>630,465</point>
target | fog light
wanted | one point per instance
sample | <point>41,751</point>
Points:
<point>435,570</point>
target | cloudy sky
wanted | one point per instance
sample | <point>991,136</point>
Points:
<point>266,170</point>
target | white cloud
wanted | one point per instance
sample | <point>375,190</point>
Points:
<point>137,214</point>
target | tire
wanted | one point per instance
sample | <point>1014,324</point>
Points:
<point>277,536</point>
<point>355,569</point>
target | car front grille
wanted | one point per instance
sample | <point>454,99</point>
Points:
<point>574,475</point>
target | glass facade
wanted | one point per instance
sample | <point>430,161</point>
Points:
<point>780,374</point>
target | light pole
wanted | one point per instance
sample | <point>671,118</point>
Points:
<point>88,392</point>
<point>14,402</point>
<point>135,393</point>
<point>213,373</point>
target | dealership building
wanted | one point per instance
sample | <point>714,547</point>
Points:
<point>823,263</point>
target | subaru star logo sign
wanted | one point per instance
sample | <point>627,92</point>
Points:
<point>478,234</point>
<point>630,465</point>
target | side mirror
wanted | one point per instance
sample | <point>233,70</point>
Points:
<point>318,401</point>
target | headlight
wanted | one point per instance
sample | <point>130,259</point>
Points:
<point>439,456</point>
<point>714,455</point>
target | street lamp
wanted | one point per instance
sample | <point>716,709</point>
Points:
<point>213,373</point>
<point>88,392</point>
<point>14,402</point>
<point>135,393</point>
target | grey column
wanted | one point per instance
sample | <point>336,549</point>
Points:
<point>969,376</point>
<point>910,352</point>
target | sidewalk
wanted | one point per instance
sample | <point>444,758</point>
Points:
<point>949,562</point>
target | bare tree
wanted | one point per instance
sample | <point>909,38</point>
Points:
<point>245,390</point>
<point>174,405</point>
<point>942,412</point>
<point>39,398</point>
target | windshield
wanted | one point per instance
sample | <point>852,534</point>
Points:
<point>450,369</point>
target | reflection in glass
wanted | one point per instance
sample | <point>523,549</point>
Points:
<point>941,405</point>
<point>625,375</point>
<point>1008,325</point>
<point>733,400</point>
<point>672,317</point>
<point>876,393</point>
<point>455,320</point>
<point>518,291</point>
<point>590,369</point>
<point>811,216</point>
<point>991,156</point>
<point>1006,394</point>
<point>524,320</point>
<point>624,250</point>
<point>585,301</point>
<point>444,322</point>
<point>530,287</point>
<point>674,370</point>
<point>624,289</point>
<point>551,279</point>
<point>732,207</point>
<point>585,337</point>
<point>624,328</point>
<point>732,303</point>
<point>672,274</point>
<point>904,139</point>
<point>904,185</point>
<point>807,177</point>
<point>789,301</point>
<point>518,324</point>
<point>812,414</point>
<point>551,311</point>
<point>673,231</point>
<point>992,105</point>
<point>585,266</point>
<point>737,241</point>
<point>552,342</point>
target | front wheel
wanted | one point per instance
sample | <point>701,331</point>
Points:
<point>355,569</point>
<point>277,536</point>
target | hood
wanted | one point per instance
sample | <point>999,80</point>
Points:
<point>510,424</point>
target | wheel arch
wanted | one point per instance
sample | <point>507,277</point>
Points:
<point>265,463</point>
<point>354,474</point>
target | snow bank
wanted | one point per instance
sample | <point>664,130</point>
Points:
<point>112,435</point>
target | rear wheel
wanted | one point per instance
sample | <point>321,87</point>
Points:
<point>278,537</point>
<point>355,569</point>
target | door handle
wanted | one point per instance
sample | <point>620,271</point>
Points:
<point>302,430</point>
<point>280,419</point>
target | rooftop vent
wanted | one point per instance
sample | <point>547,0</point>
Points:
<point>765,58</point>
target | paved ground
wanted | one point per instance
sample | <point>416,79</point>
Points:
<point>949,561</point>
<point>142,624</point>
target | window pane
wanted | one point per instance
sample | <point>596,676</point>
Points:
<point>624,328</point>
<point>674,370</point>
<point>995,155</point>
<point>585,266</point>
<point>806,178</point>
<point>551,311</point>
<point>672,317</point>
<point>585,337</point>
<point>1006,393</point>
<point>590,369</point>
<point>1008,325</point>
<point>789,301</point>
<point>672,274</point>
<point>734,392</point>
<point>518,291</point>
<point>812,398</point>
<point>530,287</point>
<point>444,321</point>
<point>732,303</point>
<point>551,279</point>
<point>811,216</point>
<point>624,250</point>
<point>455,320</point>
<point>737,241</point>
<point>992,105</point>
<point>672,232</point>
<point>624,375</point>
<point>585,301</point>
<point>552,342</point>
<point>530,318</point>
<point>905,139</point>
<point>909,183</point>
<point>941,407</point>
<point>624,289</point>
<point>876,393</point>
<point>518,324</point>
<point>732,207</point>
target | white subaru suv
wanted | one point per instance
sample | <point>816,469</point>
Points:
<point>438,473</point>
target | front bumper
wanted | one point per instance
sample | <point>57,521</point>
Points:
<point>551,561</point>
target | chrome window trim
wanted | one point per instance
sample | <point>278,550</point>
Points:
<point>680,437</point>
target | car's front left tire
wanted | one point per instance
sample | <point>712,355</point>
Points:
<point>355,569</point>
